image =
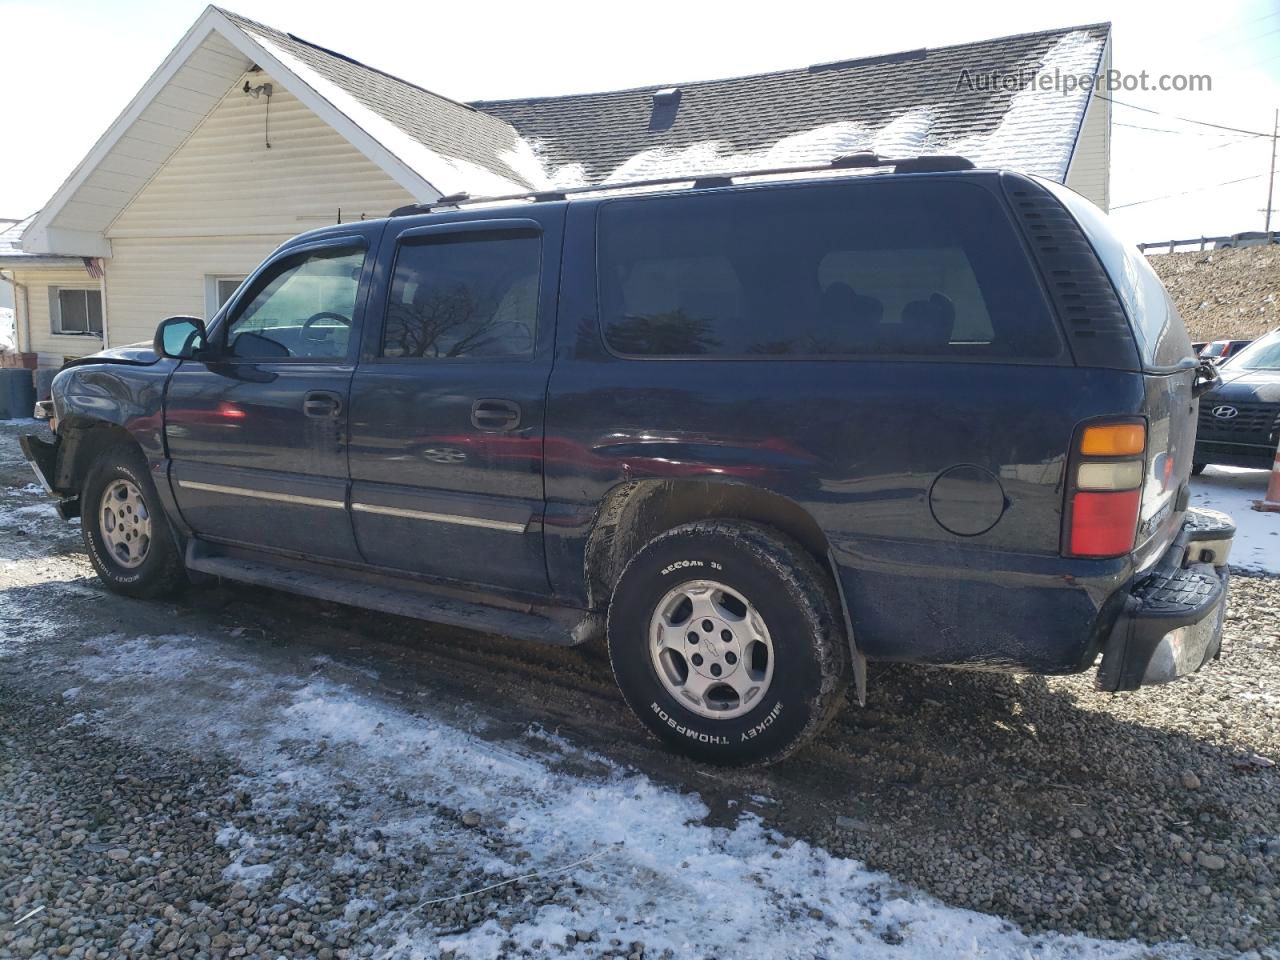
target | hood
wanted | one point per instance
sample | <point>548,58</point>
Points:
<point>137,354</point>
<point>1245,386</point>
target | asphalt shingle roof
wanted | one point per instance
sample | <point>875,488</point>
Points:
<point>450,128</point>
<point>11,235</point>
<point>602,131</point>
<point>11,252</point>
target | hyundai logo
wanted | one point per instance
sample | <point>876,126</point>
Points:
<point>1225,412</point>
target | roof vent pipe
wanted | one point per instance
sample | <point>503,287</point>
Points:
<point>665,104</point>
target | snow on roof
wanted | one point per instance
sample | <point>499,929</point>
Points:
<point>918,102</point>
<point>429,144</point>
<point>11,236</point>
<point>11,252</point>
<point>453,146</point>
<point>447,173</point>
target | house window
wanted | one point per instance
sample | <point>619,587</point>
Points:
<point>77,312</point>
<point>217,291</point>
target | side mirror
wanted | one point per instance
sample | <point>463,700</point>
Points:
<point>1207,377</point>
<point>180,338</point>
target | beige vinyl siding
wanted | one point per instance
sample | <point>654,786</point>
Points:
<point>1090,171</point>
<point>225,200</point>
<point>225,181</point>
<point>150,279</point>
<point>34,294</point>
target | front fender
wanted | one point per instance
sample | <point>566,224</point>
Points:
<point>126,396</point>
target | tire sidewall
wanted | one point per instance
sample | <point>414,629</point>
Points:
<point>154,571</point>
<point>785,711</point>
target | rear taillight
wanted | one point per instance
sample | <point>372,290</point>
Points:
<point>1104,489</point>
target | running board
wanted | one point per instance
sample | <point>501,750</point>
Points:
<point>558,626</point>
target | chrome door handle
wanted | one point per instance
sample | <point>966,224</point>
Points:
<point>321,404</point>
<point>495,415</point>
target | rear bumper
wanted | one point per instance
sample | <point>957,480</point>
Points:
<point>1171,622</point>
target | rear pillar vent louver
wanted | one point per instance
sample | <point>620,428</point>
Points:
<point>666,102</point>
<point>1092,317</point>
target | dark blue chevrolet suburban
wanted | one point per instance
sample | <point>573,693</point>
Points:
<point>752,432</point>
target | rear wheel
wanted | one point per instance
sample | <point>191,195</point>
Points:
<point>725,641</point>
<point>124,527</point>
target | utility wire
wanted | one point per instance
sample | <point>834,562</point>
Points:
<point>1239,26</point>
<point>1234,43</point>
<point>1185,133</point>
<point>1203,123</point>
<point>1170,196</point>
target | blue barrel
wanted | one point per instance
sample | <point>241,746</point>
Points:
<point>17,394</point>
<point>44,382</point>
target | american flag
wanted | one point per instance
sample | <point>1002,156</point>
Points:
<point>93,266</point>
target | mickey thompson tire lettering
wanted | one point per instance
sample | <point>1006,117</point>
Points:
<point>685,731</point>
<point>790,592</point>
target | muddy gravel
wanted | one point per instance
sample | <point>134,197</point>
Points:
<point>1152,816</point>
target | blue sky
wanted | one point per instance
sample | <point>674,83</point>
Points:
<point>75,65</point>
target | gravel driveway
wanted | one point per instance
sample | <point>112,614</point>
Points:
<point>240,773</point>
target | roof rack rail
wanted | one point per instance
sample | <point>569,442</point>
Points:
<point>850,161</point>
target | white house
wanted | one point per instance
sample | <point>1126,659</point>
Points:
<point>247,135</point>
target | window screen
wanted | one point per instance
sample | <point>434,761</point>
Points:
<point>79,312</point>
<point>224,287</point>
<point>464,296</point>
<point>893,268</point>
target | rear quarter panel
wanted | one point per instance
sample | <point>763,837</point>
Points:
<point>859,444</point>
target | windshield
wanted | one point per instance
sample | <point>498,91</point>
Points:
<point>1262,354</point>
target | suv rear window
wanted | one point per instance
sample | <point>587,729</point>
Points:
<point>912,269</point>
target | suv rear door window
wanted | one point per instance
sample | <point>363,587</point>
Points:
<point>923,269</point>
<point>472,295</point>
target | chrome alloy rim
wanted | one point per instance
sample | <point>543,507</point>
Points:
<point>125,523</point>
<point>711,649</point>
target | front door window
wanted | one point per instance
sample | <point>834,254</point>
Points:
<point>300,309</point>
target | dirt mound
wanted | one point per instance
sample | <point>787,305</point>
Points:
<point>1222,294</point>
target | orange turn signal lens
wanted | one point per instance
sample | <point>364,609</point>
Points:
<point>1113,440</point>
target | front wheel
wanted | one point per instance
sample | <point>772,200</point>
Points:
<point>725,641</point>
<point>124,527</point>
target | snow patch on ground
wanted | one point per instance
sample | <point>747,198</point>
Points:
<point>1233,491</point>
<point>648,864</point>
<point>247,873</point>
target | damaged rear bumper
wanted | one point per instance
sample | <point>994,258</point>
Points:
<point>1171,624</point>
